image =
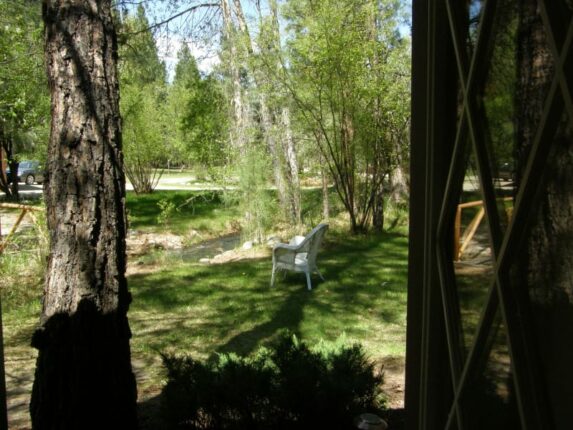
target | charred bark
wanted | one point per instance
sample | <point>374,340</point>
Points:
<point>83,373</point>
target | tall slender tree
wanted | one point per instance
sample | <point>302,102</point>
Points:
<point>197,106</point>
<point>142,78</point>
<point>232,64</point>
<point>83,374</point>
<point>273,109</point>
<point>347,77</point>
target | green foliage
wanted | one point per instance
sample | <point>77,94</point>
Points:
<point>200,211</point>
<point>349,75</point>
<point>140,63</point>
<point>143,95</point>
<point>167,209</point>
<point>285,386</point>
<point>24,98</point>
<point>142,136</point>
<point>198,107</point>
<point>23,264</point>
<point>255,201</point>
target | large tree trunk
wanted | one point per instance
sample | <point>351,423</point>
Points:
<point>83,375</point>
<point>548,252</point>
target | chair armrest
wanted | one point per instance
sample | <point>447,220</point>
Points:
<point>284,253</point>
<point>283,247</point>
<point>297,240</point>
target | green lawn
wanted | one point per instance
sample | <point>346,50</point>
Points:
<point>204,212</point>
<point>190,307</point>
<point>181,305</point>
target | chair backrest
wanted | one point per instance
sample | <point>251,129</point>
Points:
<point>314,239</point>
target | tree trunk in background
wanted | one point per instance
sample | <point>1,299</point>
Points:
<point>13,186</point>
<point>240,116</point>
<point>399,185</point>
<point>324,180</point>
<point>10,187</point>
<point>378,209</point>
<point>278,139</point>
<point>286,128</point>
<point>548,252</point>
<point>83,374</point>
<point>292,163</point>
<point>272,145</point>
<point>269,134</point>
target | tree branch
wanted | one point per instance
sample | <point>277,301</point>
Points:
<point>171,18</point>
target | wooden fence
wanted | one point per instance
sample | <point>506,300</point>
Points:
<point>462,240</point>
<point>24,209</point>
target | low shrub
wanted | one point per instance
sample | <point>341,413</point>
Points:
<point>285,386</point>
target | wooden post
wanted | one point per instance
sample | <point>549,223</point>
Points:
<point>25,209</point>
<point>3,396</point>
<point>14,228</point>
<point>457,228</point>
<point>470,231</point>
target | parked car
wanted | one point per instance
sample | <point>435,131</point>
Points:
<point>506,172</point>
<point>29,171</point>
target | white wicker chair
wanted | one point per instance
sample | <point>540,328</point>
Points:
<point>300,254</point>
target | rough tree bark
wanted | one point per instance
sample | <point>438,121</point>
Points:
<point>548,253</point>
<point>83,374</point>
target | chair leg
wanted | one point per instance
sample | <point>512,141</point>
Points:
<point>319,274</point>
<point>308,284</point>
<point>273,277</point>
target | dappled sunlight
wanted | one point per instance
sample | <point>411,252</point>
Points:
<point>200,309</point>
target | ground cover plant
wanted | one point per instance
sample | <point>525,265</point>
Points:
<point>285,386</point>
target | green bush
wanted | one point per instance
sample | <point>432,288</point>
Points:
<point>287,386</point>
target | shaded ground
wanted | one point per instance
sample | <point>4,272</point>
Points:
<point>20,358</point>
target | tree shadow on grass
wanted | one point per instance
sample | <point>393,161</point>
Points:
<point>288,316</point>
<point>204,204</point>
<point>232,308</point>
<point>338,260</point>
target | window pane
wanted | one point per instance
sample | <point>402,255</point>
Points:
<point>489,397</point>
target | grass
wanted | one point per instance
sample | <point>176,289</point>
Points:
<point>209,309</point>
<point>204,212</point>
<point>230,307</point>
<point>181,305</point>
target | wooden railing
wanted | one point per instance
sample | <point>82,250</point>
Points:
<point>461,241</point>
<point>24,210</point>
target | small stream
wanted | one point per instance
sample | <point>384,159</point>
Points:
<point>208,248</point>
